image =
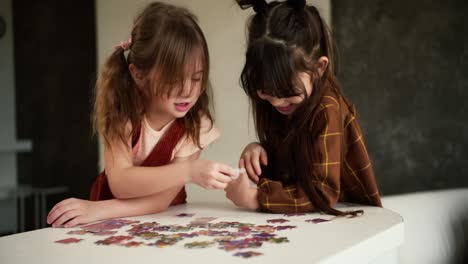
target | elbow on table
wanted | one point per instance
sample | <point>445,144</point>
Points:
<point>119,190</point>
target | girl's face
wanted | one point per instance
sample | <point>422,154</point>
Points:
<point>177,104</point>
<point>287,105</point>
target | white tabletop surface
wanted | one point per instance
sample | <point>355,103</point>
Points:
<point>357,240</point>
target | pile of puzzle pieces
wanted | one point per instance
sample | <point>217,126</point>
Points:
<point>228,236</point>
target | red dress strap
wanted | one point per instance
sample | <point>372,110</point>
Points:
<point>159,156</point>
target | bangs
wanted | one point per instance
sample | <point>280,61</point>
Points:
<point>181,52</point>
<point>270,67</point>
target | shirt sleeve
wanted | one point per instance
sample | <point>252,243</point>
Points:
<point>208,133</point>
<point>274,197</point>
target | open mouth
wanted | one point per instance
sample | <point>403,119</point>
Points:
<point>285,109</point>
<point>182,107</point>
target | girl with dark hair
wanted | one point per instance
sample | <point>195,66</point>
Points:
<point>311,152</point>
<point>152,111</point>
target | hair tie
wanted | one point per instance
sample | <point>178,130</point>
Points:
<point>297,4</point>
<point>125,45</point>
<point>260,6</point>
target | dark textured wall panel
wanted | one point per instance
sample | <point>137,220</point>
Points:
<point>405,66</point>
<point>55,63</point>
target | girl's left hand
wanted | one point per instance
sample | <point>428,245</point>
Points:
<point>241,193</point>
<point>74,211</point>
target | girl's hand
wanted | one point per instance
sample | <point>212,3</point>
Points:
<point>73,212</point>
<point>241,194</point>
<point>210,175</point>
<point>252,156</point>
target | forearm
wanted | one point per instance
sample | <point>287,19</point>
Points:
<point>155,203</point>
<point>143,181</point>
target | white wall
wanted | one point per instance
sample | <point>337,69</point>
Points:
<point>224,26</point>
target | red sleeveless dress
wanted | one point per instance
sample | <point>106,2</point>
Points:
<point>159,156</point>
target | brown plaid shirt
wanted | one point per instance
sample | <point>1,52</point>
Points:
<point>354,183</point>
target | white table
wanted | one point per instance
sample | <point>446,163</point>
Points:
<point>373,237</point>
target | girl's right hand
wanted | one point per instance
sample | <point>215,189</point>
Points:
<point>210,175</point>
<point>252,156</point>
<point>72,211</point>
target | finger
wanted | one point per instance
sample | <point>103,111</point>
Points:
<point>264,157</point>
<point>60,211</point>
<point>219,185</point>
<point>66,217</point>
<point>75,221</point>
<point>256,163</point>
<point>248,167</point>
<point>241,163</point>
<point>214,184</point>
<point>253,177</point>
<point>222,178</point>
<point>225,169</point>
<point>62,203</point>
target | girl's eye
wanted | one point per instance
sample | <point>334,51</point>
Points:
<point>196,79</point>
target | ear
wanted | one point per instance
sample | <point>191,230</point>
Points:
<point>322,64</point>
<point>136,74</point>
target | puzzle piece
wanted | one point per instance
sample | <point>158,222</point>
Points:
<point>294,214</point>
<point>108,225</point>
<point>113,240</point>
<point>316,220</point>
<point>70,240</point>
<point>248,254</point>
<point>199,244</point>
<point>279,220</point>
<point>185,215</point>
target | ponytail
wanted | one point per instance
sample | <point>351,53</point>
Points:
<point>117,100</point>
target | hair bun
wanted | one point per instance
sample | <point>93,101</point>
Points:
<point>296,4</point>
<point>259,6</point>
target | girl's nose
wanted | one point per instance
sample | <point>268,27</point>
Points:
<point>275,101</point>
<point>187,89</point>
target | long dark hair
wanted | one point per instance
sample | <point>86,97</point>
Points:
<point>164,39</point>
<point>284,39</point>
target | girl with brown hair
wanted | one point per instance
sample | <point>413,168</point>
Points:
<point>152,110</point>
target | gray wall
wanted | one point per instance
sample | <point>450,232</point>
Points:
<point>405,66</point>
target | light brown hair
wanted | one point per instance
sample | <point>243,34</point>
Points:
<point>164,40</point>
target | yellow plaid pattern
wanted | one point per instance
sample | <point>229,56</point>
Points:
<point>351,177</point>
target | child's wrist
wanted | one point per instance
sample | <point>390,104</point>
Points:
<point>103,206</point>
<point>253,201</point>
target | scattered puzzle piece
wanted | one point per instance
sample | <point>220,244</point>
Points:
<point>132,244</point>
<point>247,254</point>
<point>316,220</point>
<point>69,240</point>
<point>278,240</point>
<point>199,244</point>
<point>294,214</point>
<point>108,225</point>
<point>77,232</point>
<point>279,220</point>
<point>113,240</point>
<point>185,215</point>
